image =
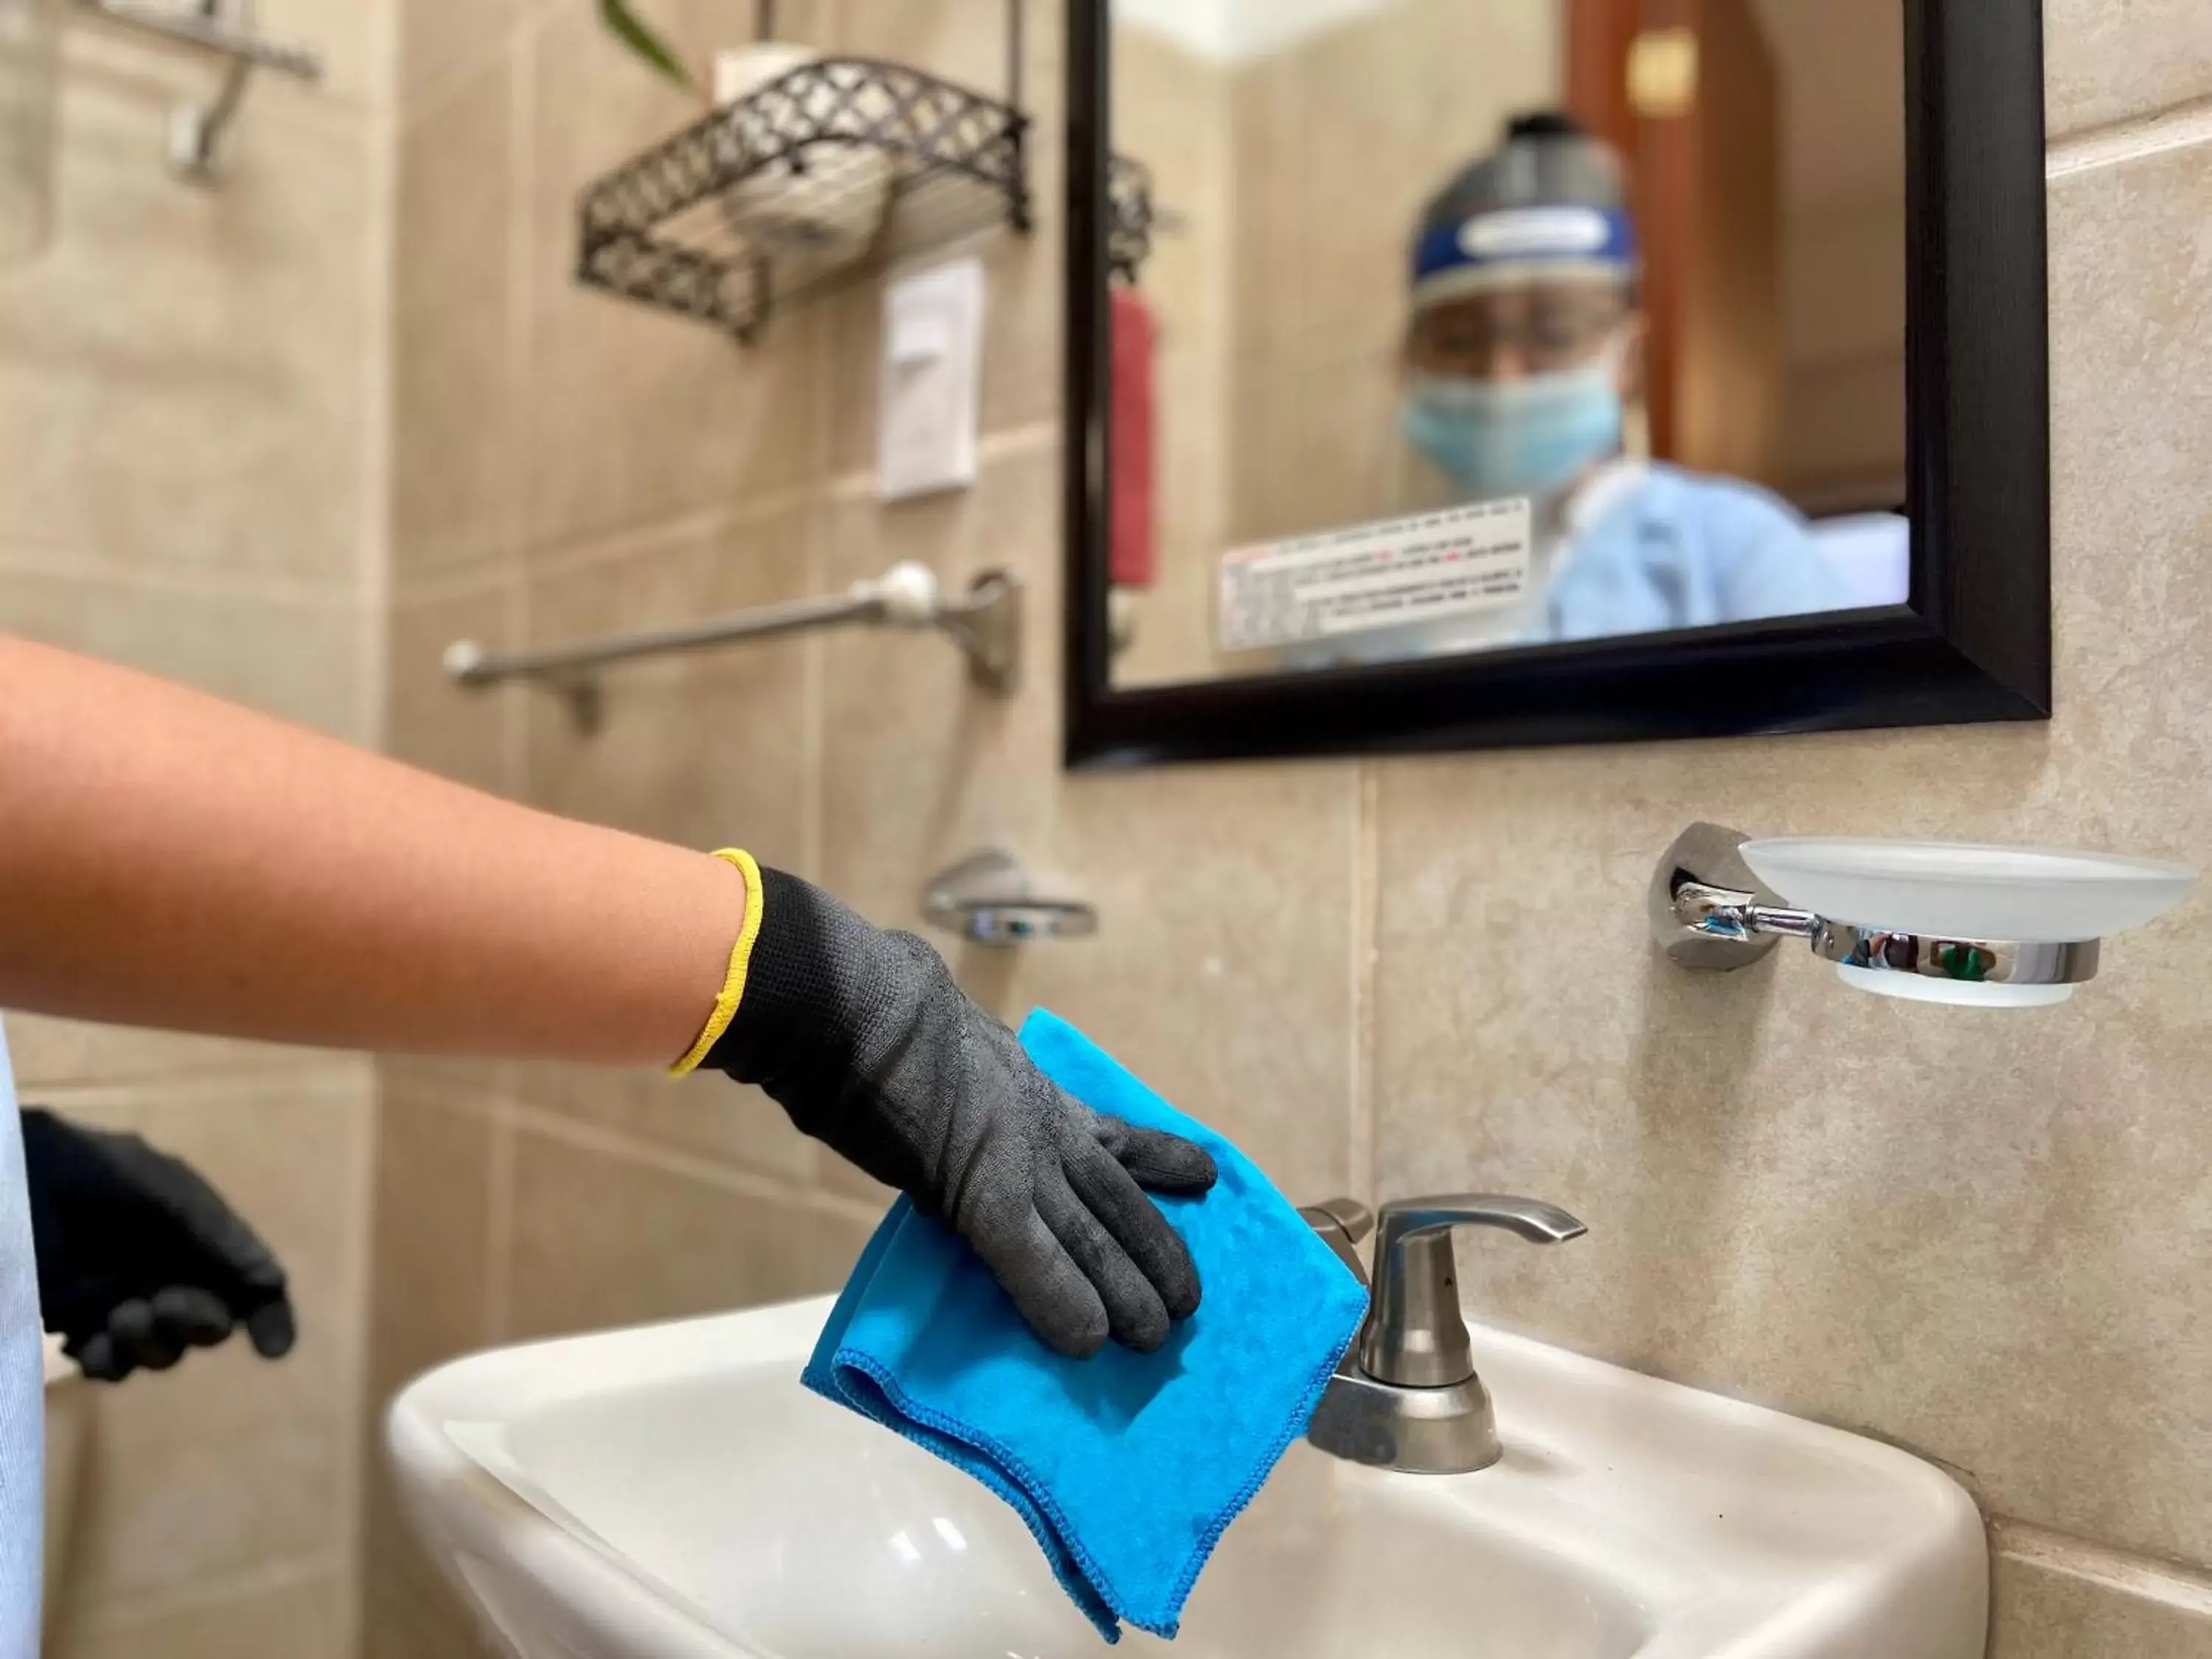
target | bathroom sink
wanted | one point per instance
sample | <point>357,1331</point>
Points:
<point>672,1493</point>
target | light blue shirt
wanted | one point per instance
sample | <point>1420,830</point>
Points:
<point>22,1396</point>
<point>1662,548</point>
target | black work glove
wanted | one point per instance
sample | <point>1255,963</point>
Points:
<point>862,1036</point>
<point>138,1259</point>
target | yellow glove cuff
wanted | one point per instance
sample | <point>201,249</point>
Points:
<point>741,959</point>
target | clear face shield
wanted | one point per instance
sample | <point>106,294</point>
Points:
<point>1519,345</point>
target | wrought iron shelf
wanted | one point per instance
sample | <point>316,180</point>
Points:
<point>669,228</point>
<point>1132,217</point>
<point>666,230</point>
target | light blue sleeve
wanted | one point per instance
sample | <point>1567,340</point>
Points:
<point>1690,552</point>
<point>22,1396</point>
<point>1769,564</point>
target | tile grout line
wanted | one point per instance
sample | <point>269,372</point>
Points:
<point>357,1441</point>
<point>229,1072</point>
<point>413,106</point>
<point>380,465</point>
<point>499,1223</point>
<point>730,1177</point>
<point>593,550</point>
<point>480,1101</point>
<point>1366,897</point>
<point>518,49</point>
<point>814,660</point>
<point>379,442</point>
<point>54,564</point>
<point>150,1607</point>
<point>814,716</point>
<point>2137,138</point>
<point>457,580</point>
<point>992,448</point>
<point>515,698</point>
<point>302,1083</point>
<point>2185,1589</point>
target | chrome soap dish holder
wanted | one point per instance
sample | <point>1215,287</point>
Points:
<point>986,899</point>
<point>1986,927</point>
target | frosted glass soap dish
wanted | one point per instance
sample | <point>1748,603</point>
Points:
<point>1931,921</point>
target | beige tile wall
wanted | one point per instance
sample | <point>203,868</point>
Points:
<point>565,463</point>
<point>191,418</point>
<point>1984,1242</point>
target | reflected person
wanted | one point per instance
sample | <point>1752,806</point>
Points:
<point>1523,356</point>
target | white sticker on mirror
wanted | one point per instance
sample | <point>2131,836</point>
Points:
<point>1446,563</point>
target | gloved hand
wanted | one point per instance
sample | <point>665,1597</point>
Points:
<point>138,1259</point>
<point>862,1036</point>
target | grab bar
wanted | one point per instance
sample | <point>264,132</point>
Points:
<point>196,130</point>
<point>985,623</point>
<point>212,33</point>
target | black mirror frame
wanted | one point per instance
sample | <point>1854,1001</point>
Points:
<point>1973,644</point>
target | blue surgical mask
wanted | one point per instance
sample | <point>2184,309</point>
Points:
<point>1531,437</point>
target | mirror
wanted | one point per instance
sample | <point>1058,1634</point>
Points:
<point>1474,338</point>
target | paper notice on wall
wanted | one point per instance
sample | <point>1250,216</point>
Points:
<point>1452,562</point>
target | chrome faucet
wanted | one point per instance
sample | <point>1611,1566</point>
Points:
<point>1406,1396</point>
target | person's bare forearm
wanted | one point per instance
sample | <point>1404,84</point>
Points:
<point>167,859</point>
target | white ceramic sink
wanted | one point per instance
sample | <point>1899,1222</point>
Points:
<point>672,1493</point>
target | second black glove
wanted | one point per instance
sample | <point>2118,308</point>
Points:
<point>139,1259</point>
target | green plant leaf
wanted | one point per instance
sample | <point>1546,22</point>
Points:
<point>633,32</point>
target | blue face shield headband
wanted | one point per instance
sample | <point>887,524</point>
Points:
<point>1519,244</point>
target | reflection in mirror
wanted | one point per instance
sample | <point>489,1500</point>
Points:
<point>1477,325</point>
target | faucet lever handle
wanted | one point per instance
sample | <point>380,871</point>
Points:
<point>1416,1336</point>
<point>1526,1217</point>
<point>1342,1222</point>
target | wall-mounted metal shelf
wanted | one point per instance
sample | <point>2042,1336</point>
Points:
<point>896,158</point>
<point>1132,217</point>
<point>663,229</point>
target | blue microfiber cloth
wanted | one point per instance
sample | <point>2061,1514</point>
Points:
<point>1126,1467</point>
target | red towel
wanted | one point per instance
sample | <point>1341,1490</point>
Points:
<point>1134,554</point>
